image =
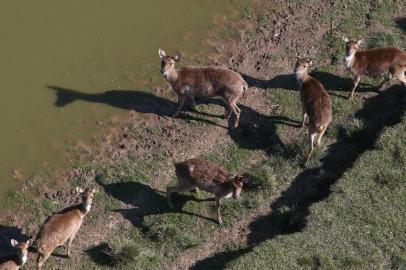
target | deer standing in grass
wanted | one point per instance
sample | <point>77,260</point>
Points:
<point>316,104</point>
<point>203,82</point>
<point>62,227</point>
<point>205,175</point>
<point>373,62</point>
<point>20,258</point>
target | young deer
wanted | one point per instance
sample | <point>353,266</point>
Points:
<point>373,62</point>
<point>203,82</point>
<point>316,104</point>
<point>20,258</point>
<point>205,175</point>
<point>62,227</point>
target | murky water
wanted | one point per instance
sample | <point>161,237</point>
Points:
<point>90,47</point>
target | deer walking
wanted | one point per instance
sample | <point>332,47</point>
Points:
<point>373,62</point>
<point>207,176</point>
<point>316,104</point>
<point>19,259</point>
<point>203,82</point>
<point>62,227</point>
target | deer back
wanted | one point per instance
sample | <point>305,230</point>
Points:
<point>316,101</point>
<point>58,228</point>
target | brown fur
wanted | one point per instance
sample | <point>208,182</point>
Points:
<point>374,62</point>
<point>17,261</point>
<point>61,227</point>
<point>316,104</point>
<point>205,175</point>
<point>204,82</point>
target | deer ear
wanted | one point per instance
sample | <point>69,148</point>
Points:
<point>359,42</point>
<point>79,190</point>
<point>29,242</point>
<point>345,39</point>
<point>13,242</point>
<point>177,56</point>
<point>161,53</point>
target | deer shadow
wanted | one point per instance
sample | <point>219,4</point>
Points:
<point>146,201</point>
<point>257,131</point>
<point>139,101</point>
<point>101,254</point>
<point>330,81</point>
<point>314,184</point>
<point>401,23</point>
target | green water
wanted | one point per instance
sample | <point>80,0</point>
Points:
<point>88,46</point>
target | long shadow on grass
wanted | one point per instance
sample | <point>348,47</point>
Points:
<point>145,201</point>
<point>6,234</point>
<point>313,185</point>
<point>258,131</point>
<point>330,81</point>
<point>139,101</point>
<point>401,23</point>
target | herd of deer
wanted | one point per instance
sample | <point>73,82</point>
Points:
<point>194,174</point>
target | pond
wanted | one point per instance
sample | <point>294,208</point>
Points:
<point>58,57</point>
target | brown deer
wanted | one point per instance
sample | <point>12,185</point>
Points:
<point>316,104</point>
<point>203,82</point>
<point>205,175</point>
<point>62,227</point>
<point>373,62</point>
<point>19,259</point>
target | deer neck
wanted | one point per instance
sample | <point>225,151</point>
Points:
<point>349,60</point>
<point>85,208</point>
<point>172,75</point>
<point>301,76</point>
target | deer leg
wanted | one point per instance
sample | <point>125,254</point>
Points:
<point>356,82</point>
<point>237,112</point>
<point>305,116</point>
<point>385,80</point>
<point>192,98</point>
<point>229,109</point>
<point>181,102</point>
<point>41,259</point>
<point>68,254</point>
<point>218,204</point>
<point>311,146</point>
<point>319,136</point>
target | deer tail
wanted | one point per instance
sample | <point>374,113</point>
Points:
<point>244,91</point>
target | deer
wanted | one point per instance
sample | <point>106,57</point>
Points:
<point>62,227</point>
<point>316,104</point>
<point>373,62</point>
<point>195,174</point>
<point>19,258</point>
<point>203,82</point>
